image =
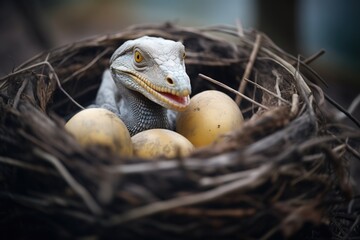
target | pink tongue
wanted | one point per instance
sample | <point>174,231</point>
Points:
<point>181,100</point>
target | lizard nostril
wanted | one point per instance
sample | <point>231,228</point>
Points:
<point>169,80</point>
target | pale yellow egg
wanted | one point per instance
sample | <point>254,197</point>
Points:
<point>161,142</point>
<point>97,126</point>
<point>210,114</point>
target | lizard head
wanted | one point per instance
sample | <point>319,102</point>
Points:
<point>154,67</point>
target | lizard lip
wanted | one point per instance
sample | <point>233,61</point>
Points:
<point>179,102</point>
<point>175,100</point>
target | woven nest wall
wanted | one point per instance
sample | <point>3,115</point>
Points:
<point>281,175</point>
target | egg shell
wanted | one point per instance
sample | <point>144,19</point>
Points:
<point>160,142</point>
<point>210,114</point>
<point>98,126</point>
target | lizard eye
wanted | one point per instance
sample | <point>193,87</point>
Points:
<point>138,57</point>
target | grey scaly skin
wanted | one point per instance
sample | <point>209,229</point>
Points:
<point>146,84</point>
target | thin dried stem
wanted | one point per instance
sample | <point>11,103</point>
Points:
<point>20,91</point>
<point>198,212</point>
<point>248,68</point>
<point>343,110</point>
<point>253,180</point>
<point>87,66</point>
<point>277,85</point>
<point>232,90</point>
<point>240,28</point>
<point>213,181</point>
<point>268,91</point>
<point>79,189</point>
<point>28,166</point>
<point>295,104</point>
<point>353,151</point>
<point>354,104</point>
<point>314,56</point>
<point>61,88</point>
<point>46,63</point>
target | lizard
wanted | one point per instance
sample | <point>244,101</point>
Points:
<point>146,84</point>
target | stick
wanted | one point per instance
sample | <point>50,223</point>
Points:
<point>277,86</point>
<point>79,189</point>
<point>268,91</point>
<point>253,180</point>
<point>248,68</point>
<point>28,166</point>
<point>314,56</point>
<point>295,104</point>
<point>232,90</point>
<point>239,28</point>
<point>83,69</point>
<point>52,70</point>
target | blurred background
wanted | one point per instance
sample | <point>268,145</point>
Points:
<point>297,26</point>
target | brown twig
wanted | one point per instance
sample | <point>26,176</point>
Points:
<point>83,193</point>
<point>206,196</point>
<point>314,56</point>
<point>295,104</point>
<point>278,80</point>
<point>20,91</point>
<point>232,90</point>
<point>268,91</point>
<point>248,68</point>
<point>21,164</point>
<point>197,212</point>
<point>87,66</point>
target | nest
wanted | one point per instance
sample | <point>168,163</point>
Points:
<point>281,175</point>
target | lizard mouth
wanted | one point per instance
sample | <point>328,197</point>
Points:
<point>169,98</point>
<point>179,102</point>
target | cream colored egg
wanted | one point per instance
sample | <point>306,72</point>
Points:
<point>161,142</point>
<point>97,126</point>
<point>210,114</point>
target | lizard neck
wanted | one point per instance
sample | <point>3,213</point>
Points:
<point>139,113</point>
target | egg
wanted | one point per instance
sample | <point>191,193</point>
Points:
<point>209,115</point>
<point>97,126</point>
<point>160,142</point>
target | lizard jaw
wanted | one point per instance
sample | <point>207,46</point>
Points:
<point>166,97</point>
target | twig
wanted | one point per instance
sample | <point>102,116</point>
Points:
<point>340,108</point>
<point>314,57</point>
<point>319,140</point>
<point>198,212</point>
<point>277,84</point>
<point>87,66</point>
<point>295,104</point>
<point>53,72</point>
<point>79,189</point>
<point>353,151</point>
<point>321,101</point>
<point>267,91</point>
<point>254,93</point>
<point>253,180</point>
<point>355,103</point>
<point>232,90</point>
<point>248,68</point>
<point>212,181</point>
<point>239,28</point>
<point>19,92</point>
<point>352,228</point>
<point>61,88</point>
<point>22,164</point>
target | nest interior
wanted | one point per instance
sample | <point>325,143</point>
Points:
<point>281,175</point>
